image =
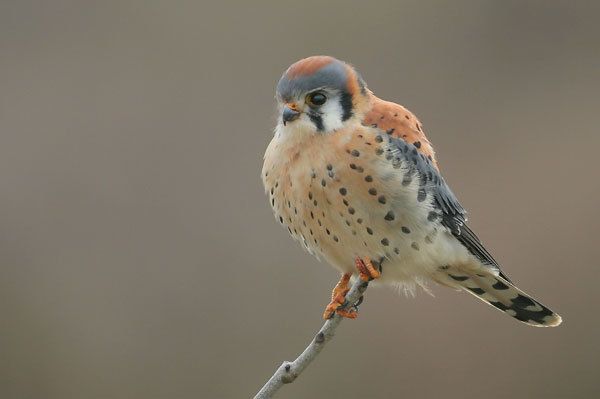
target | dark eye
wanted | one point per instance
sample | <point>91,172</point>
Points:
<point>316,99</point>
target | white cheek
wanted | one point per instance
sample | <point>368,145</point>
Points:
<point>331,112</point>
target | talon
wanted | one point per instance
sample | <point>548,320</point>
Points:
<point>330,309</point>
<point>338,298</point>
<point>349,314</point>
<point>366,270</point>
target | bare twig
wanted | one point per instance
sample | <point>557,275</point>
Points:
<point>289,371</point>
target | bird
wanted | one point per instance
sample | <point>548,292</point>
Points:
<point>355,180</point>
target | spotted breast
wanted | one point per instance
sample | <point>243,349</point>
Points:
<point>361,193</point>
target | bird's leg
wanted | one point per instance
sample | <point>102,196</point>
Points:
<point>366,270</point>
<point>338,297</point>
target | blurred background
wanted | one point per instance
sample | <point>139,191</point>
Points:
<point>138,254</point>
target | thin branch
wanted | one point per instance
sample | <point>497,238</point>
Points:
<point>289,371</point>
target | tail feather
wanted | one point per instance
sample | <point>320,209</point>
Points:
<point>504,296</point>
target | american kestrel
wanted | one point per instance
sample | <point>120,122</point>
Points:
<point>356,182</point>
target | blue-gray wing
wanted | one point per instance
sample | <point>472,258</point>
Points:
<point>453,215</point>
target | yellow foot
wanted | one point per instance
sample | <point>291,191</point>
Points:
<point>366,270</point>
<point>338,297</point>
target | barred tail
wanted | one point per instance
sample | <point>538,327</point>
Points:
<point>504,296</point>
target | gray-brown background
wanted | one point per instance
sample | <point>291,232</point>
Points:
<point>139,257</point>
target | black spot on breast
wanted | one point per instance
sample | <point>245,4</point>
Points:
<point>385,242</point>
<point>372,191</point>
<point>378,139</point>
<point>351,210</point>
<point>421,195</point>
<point>370,230</point>
<point>343,191</point>
<point>310,196</point>
<point>379,151</point>
<point>355,153</point>
<point>389,216</point>
<point>405,230</point>
<point>359,220</point>
<point>432,216</point>
<point>368,178</point>
<point>417,144</point>
<point>415,246</point>
<point>323,183</point>
<point>381,199</point>
<point>336,239</point>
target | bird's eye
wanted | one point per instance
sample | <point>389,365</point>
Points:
<point>316,99</point>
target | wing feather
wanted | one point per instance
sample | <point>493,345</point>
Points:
<point>454,216</point>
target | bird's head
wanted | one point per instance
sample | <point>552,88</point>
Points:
<point>320,94</point>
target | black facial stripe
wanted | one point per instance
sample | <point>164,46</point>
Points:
<point>317,120</point>
<point>330,76</point>
<point>361,83</point>
<point>346,103</point>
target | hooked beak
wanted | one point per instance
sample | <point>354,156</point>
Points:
<point>290,113</point>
